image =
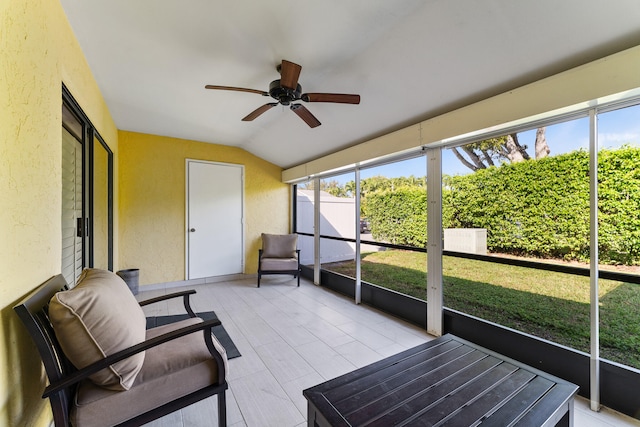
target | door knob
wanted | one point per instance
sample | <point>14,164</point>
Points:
<point>192,230</point>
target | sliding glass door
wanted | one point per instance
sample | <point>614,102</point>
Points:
<point>87,194</point>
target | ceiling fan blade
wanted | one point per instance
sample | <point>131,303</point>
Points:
<point>305,115</point>
<point>289,74</point>
<point>258,111</point>
<point>237,89</point>
<point>341,98</point>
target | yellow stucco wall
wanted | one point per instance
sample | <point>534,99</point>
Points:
<point>38,52</point>
<point>152,202</point>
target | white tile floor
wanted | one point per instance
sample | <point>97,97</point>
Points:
<point>293,338</point>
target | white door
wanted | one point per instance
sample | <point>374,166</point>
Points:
<point>215,238</point>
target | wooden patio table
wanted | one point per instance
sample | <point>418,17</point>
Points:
<point>445,382</point>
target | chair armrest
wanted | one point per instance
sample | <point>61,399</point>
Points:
<point>84,373</point>
<point>184,294</point>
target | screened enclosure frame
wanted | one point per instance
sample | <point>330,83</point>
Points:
<point>434,187</point>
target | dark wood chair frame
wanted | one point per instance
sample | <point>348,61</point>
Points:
<point>296,273</point>
<point>64,377</point>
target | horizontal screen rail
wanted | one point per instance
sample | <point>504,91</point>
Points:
<point>567,269</point>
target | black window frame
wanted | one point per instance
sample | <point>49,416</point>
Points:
<point>89,134</point>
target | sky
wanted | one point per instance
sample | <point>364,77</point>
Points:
<point>615,128</point>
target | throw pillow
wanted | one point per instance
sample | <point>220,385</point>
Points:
<point>97,318</point>
<point>279,245</point>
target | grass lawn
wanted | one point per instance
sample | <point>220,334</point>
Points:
<point>550,305</point>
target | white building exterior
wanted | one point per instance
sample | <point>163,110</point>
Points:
<point>337,218</point>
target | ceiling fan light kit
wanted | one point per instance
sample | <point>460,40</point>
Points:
<point>286,91</point>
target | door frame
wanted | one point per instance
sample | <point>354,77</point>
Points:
<point>87,137</point>
<point>186,210</point>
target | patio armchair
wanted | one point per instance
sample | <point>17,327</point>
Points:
<point>279,255</point>
<point>104,368</point>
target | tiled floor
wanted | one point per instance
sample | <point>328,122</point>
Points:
<point>292,338</point>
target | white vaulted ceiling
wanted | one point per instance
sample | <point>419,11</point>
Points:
<point>409,60</point>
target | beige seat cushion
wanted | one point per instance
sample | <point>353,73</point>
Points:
<point>278,264</point>
<point>99,317</point>
<point>170,370</point>
<point>279,245</point>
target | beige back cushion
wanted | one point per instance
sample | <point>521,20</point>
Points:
<point>97,318</point>
<point>279,245</point>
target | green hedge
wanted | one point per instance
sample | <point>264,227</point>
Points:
<point>534,208</point>
<point>619,205</point>
<point>398,216</point>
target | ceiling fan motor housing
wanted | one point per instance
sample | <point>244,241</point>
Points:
<point>287,90</point>
<point>284,95</point>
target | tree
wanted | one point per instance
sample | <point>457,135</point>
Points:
<point>332,187</point>
<point>350,188</point>
<point>542,149</point>
<point>481,155</point>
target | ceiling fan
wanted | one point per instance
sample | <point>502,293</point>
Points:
<point>286,91</point>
